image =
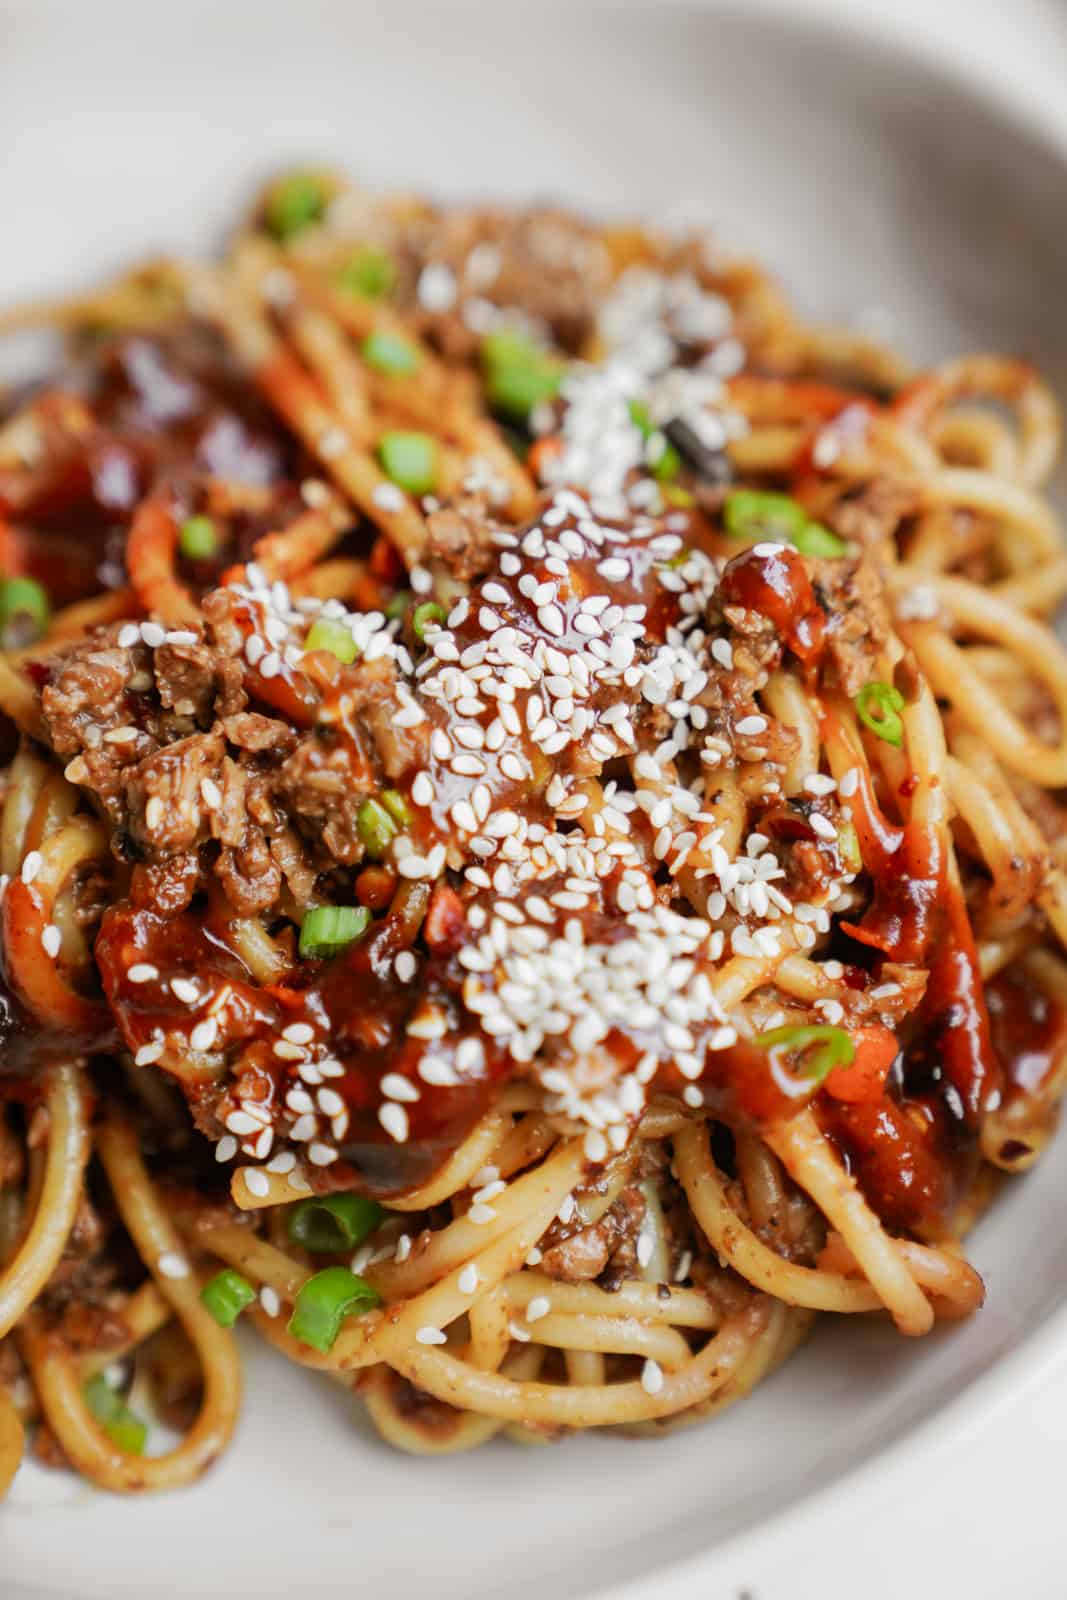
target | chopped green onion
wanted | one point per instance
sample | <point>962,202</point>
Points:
<point>680,559</point>
<point>376,827</point>
<point>327,930</point>
<point>387,352</point>
<point>665,462</point>
<point>879,705</point>
<point>327,634</point>
<point>294,203</point>
<point>675,495</point>
<point>197,539</point>
<point>398,605</point>
<point>397,807</point>
<point>24,612</point>
<point>369,272</point>
<point>848,848</point>
<point>428,612</point>
<point>755,514</point>
<point>518,374</point>
<point>815,540</point>
<point>333,1221</point>
<point>325,1301</point>
<point>640,418</point>
<point>120,1424</point>
<point>830,1047</point>
<point>410,459</point>
<point>226,1296</point>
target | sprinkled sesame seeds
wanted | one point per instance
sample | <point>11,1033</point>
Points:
<point>31,865</point>
<point>428,1335</point>
<point>172,1265</point>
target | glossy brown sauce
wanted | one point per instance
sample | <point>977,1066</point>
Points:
<point>143,410</point>
<point>778,587</point>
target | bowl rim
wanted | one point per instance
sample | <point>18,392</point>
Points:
<point>1029,102</point>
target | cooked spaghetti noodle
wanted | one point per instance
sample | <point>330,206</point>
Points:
<point>532,835</point>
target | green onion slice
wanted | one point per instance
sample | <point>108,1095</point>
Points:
<point>226,1295</point>
<point>821,1047</point>
<point>878,706</point>
<point>848,848</point>
<point>24,612</point>
<point>410,460</point>
<point>325,1301</point>
<point>397,807</point>
<point>121,1425</point>
<point>197,539</point>
<point>518,374</point>
<point>333,1221</point>
<point>376,827</point>
<point>387,352</point>
<point>640,418</point>
<point>675,495</point>
<point>425,614</point>
<point>369,272</point>
<point>815,540</point>
<point>327,930</point>
<point>294,203</point>
<point>327,634</point>
<point>754,514</point>
<point>759,514</point>
<point>663,459</point>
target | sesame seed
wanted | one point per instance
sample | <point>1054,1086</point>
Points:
<point>396,1087</point>
<point>467,1282</point>
<point>538,1307</point>
<point>321,1155</point>
<point>148,1053</point>
<point>430,1335</point>
<point>31,866</point>
<point>298,1033</point>
<point>270,1301</point>
<point>184,989</point>
<point>388,497</point>
<point>394,1119</point>
<point>204,1035</point>
<point>172,1265</point>
<point>142,972</point>
<point>651,1377</point>
<point>226,1148</point>
<point>256,1182</point>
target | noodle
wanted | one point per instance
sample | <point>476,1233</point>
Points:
<point>535,863</point>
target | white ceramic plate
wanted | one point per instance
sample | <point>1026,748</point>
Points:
<point>872,178</point>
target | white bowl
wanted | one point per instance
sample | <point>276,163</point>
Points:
<point>870,179</point>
